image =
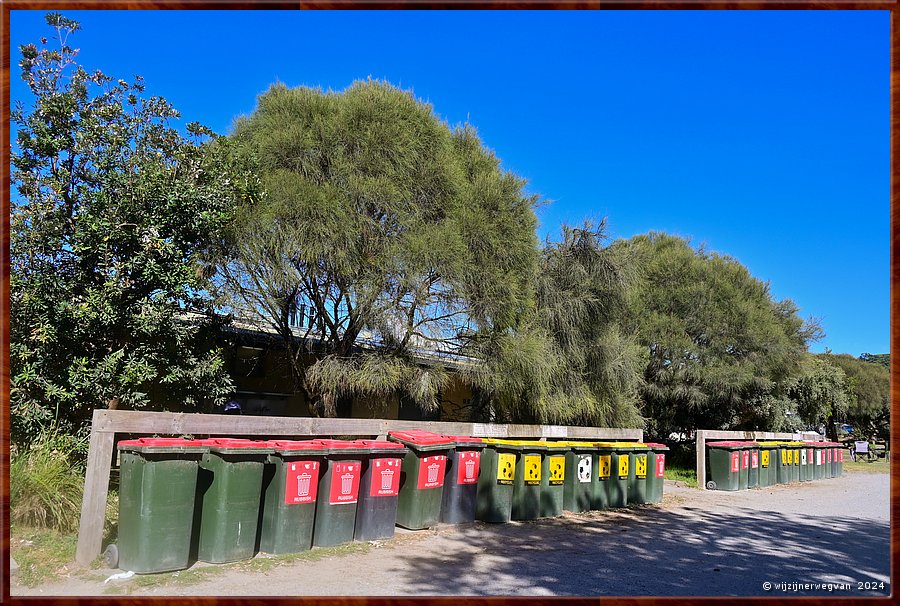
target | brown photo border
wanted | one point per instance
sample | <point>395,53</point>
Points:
<point>7,5</point>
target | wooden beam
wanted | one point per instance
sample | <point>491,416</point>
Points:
<point>93,503</point>
<point>700,437</point>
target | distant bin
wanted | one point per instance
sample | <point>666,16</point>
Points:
<point>768,463</point>
<point>724,469</point>
<point>785,459</point>
<point>461,480</point>
<point>495,483</point>
<point>229,492</point>
<point>553,477</point>
<point>579,483</point>
<point>841,453</point>
<point>821,452</point>
<point>338,495</point>
<point>379,489</point>
<point>157,489</point>
<point>290,487</point>
<point>422,481</point>
<point>807,467</point>
<point>656,472</point>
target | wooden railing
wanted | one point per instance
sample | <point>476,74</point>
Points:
<point>703,434</point>
<point>107,423</point>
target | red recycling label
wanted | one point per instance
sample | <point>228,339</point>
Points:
<point>385,478</point>
<point>841,459</point>
<point>467,464</point>
<point>754,459</point>
<point>810,457</point>
<point>431,471</point>
<point>302,482</point>
<point>344,483</point>
<point>829,455</point>
<point>745,462</point>
<point>660,465</point>
<point>735,465</point>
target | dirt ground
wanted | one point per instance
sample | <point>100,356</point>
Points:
<point>803,539</point>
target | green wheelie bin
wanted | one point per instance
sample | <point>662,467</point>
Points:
<point>553,477</point>
<point>290,487</point>
<point>768,463</point>
<point>495,482</point>
<point>157,489</point>
<point>461,480</point>
<point>379,490</point>
<point>833,451</point>
<point>621,471</point>
<point>785,458</point>
<point>753,471</point>
<point>841,454</point>
<point>422,479</point>
<point>820,449</point>
<point>338,494</point>
<point>807,465</point>
<point>579,485</point>
<point>637,471</point>
<point>229,492</point>
<point>724,465</point>
<point>656,471</point>
<point>604,453</point>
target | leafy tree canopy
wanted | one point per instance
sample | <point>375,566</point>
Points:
<point>870,394</point>
<point>718,348</point>
<point>568,360</point>
<point>384,226</point>
<point>114,214</point>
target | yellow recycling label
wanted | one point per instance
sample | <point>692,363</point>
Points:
<point>557,470</point>
<point>623,466</point>
<point>764,458</point>
<point>640,466</point>
<point>784,460</point>
<point>532,469</point>
<point>605,466</point>
<point>506,468</point>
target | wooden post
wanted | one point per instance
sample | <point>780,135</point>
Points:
<point>93,503</point>
<point>701,459</point>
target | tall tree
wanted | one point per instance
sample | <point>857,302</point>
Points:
<point>568,360</point>
<point>821,394</point>
<point>114,214</point>
<point>719,348</point>
<point>869,408</point>
<point>379,225</point>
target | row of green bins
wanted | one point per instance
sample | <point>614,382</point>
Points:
<point>422,473</point>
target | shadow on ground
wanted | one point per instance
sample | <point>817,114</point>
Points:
<point>653,551</point>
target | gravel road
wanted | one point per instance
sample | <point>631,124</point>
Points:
<point>833,531</point>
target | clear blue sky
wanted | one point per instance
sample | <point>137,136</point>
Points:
<point>764,135</point>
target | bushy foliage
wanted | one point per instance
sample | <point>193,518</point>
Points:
<point>567,360</point>
<point>46,481</point>
<point>869,388</point>
<point>719,349</point>
<point>383,224</point>
<point>114,213</point>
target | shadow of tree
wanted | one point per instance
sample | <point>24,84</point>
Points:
<point>682,551</point>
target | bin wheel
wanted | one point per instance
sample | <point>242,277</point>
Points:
<point>711,485</point>
<point>111,556</point>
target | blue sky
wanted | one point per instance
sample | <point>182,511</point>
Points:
<point>763,135</point>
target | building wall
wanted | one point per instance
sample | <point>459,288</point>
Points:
<point>264,386</point>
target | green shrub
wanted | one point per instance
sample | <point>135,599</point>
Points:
<point>47,482</point>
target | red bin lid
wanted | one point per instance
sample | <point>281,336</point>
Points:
<point>295,445</point>
<point>420,437</point>
<point>378,444</point>
<point>655,445</point>
<point>160,443</point>
<point>465,439</point>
